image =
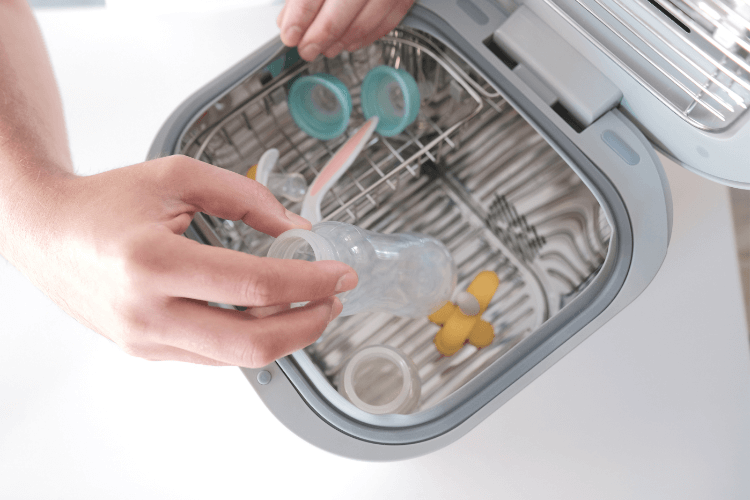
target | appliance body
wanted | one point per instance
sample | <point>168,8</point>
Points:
<point>503,130</point>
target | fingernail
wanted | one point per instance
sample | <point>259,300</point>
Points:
<point>334,50</point>
<point>347,282</point>
<point>298,220</point>
<point>280,17</point>
<point>309,52</point>
<point>291,36</point>
<point>336,309</point>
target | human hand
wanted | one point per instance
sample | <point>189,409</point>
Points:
<point>114,258</point>
<point>330,26</point>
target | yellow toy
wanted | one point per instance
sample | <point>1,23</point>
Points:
<point>461,322</point>
<point>261,171</point>
<point>251,173</point>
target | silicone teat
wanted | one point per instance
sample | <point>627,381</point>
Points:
<point>290,186</point>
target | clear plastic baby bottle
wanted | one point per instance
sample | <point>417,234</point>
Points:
<point>405,274</point>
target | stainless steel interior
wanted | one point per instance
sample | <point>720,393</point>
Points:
<point>691,54</point>
<point>469,171</point>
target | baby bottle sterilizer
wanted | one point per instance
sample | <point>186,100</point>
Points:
<point>532,157</point>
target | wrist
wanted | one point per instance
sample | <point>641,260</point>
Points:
<point>32,203</point>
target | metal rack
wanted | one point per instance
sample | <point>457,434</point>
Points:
<point>237,139</point>
<point>470,172</point>
<point>692,56</point>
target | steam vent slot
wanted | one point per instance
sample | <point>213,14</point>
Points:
<point>568,117</point>
<point>500,53</point>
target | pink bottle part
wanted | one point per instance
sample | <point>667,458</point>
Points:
<point>334,169</point>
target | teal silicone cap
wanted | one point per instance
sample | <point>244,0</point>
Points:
<point>320,105</point>
<point>393,96</point>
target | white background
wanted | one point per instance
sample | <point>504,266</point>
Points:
<point>654,405</point>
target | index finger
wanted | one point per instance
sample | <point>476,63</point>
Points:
<point>188,269</point>
<point>330,23</point>
<point>297,17</point>
<point>226,194</point>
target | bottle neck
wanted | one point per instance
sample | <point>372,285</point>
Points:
<point>293,241</point>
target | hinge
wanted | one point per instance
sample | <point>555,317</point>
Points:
<point>554,69</point>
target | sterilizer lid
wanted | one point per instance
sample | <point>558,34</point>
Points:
<point>682,67</point>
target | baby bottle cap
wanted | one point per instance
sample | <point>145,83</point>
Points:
<point>320,105</point>
<point>381,379</point>
<point>392,95</point>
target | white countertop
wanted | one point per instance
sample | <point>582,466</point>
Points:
<point>656,404</point>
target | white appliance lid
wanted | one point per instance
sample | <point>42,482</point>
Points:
<point>682,68</point>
